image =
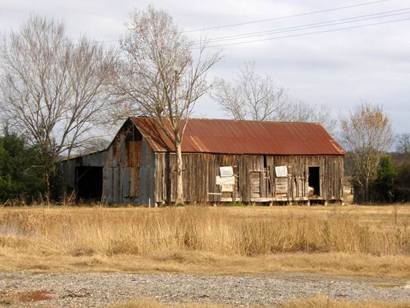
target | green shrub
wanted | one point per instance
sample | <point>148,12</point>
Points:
<point>385,181</point>
<point>402,184</point>
<point>21,169</point>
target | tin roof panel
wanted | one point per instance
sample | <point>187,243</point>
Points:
<point>243,137</point>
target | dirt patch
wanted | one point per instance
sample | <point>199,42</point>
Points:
<point>10,298</point>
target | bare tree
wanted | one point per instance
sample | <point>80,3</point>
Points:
<point>250,96</point>
<point>403,143</point>
<point>160,77</point>
<point>255,97</point>
<point>51,89</point>
<point>302,112</point>
<point>367,134</point>
<point>94,145</point>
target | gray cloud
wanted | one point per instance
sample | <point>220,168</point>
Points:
<point>338,69</point>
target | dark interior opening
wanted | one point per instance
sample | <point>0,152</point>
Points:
<point>314,180</point>
<point>89,183</point>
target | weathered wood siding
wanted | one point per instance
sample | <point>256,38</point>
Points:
<point>128,174</point>
<point>255,174</point>
<point>68,167</point>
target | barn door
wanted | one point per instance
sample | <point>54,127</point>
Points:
<point>281,188</point>
<point>255,184</point>
<point>314,181</point>
<point>134,162</point>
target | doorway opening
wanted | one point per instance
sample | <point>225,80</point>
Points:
<point>89,183</point>
<point>314,180</point>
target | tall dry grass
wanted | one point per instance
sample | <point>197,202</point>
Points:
<point>317,301</point>
<point>151,303</point>
<point>222,231</point>
<point>321,301</point>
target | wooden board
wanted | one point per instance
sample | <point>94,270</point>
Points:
<point>281,186</point>
<point>255,185</point>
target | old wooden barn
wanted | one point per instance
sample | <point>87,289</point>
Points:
<point>224,161</point>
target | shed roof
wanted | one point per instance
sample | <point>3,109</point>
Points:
<point>243,137</point>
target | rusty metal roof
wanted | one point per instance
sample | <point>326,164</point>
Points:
<point>243,137</point>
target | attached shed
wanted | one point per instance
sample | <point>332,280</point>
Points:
<point>224,161</point>
<point>84,176</point>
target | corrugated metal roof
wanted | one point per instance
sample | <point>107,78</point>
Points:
<point>243,137</point>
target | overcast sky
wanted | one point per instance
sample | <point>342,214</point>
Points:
<point>338,69</point>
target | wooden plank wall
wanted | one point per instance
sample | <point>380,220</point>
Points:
<point>331,174</point>
<point>68,167</point>
<point>146,175</point>
<point>128,174</point>
<point>201,169</point>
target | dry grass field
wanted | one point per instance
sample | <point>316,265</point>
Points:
<point>318,301</point>
<point>350,240</point>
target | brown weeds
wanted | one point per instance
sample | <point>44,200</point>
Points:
<point>318,301</point>
<point>222,232</point>
<point>321,301</point>
<point>151,303</point>
<point>145,232</point>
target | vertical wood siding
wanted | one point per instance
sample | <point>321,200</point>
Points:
<point>128,174</point>
<point>255,175</point>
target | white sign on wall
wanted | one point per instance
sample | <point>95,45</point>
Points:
<point>228,180</point>
<point>227,188</point>
<point>281,171</point>
<point>226,171</point>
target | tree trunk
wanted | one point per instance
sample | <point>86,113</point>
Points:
<point>50,173</point>
<point>48,186</point>
<point>366,190</point>
<point>179,199</point>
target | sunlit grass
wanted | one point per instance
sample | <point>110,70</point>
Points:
<point>315,238</point>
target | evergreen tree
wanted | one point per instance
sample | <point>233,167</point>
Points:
<point>385,181</point>
<point>21,169</point>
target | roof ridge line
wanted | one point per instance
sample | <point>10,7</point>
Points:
<point>244,120</point>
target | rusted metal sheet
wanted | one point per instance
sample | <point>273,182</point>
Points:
<point>243,137</point>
